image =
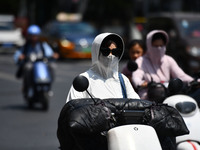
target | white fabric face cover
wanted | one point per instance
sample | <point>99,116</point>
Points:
<point>108,65</point>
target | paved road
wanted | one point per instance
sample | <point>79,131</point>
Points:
<point>24,129</point>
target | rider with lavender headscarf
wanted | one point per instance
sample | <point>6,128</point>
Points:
<point>155,65</point>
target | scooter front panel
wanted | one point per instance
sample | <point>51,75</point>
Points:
<point>133,137</point>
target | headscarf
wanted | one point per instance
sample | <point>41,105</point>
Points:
<point>155,54</point>
<point>106,66</point>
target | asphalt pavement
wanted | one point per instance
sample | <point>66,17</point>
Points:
<point>25,129</point>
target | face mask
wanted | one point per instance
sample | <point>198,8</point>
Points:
<point>109,61</point>
<point>160,50</point>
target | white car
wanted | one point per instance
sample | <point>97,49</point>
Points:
<point>10,36</point>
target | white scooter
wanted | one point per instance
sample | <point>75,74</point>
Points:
<point>123,137</point>
<point>186,105</point>
<point>188,108</point>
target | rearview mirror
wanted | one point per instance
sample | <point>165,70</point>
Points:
<point>80,83</point>
<point>132,65</point>
<point>175,86</point>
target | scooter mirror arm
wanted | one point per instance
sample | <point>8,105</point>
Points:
<point>91,97</point>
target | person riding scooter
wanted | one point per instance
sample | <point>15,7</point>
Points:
<point>155,65</point>
<point>32,45</point>
<point>104,77</point>
<point>105,81</point>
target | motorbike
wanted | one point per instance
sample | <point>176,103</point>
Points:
<point>189,110</point>
<point>38,82</point>
<point>120,121</point>
<point>183,98</point>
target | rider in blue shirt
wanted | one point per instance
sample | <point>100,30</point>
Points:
<point>32,45</point>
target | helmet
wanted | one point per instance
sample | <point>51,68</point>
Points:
<point>34,30</point>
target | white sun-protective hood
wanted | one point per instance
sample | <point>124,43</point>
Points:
<point>103,74</point>
<point>111,62</point>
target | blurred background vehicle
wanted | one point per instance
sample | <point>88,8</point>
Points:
<point>71,39</point>
<point>10,36</point>
<point>184,33</point>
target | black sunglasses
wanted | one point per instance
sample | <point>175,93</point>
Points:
<point>107,51</point>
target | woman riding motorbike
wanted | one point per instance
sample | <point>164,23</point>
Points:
<point>40,49</point>
<point>155,65</point>
<point>103,76</point>
<point>104,82</point>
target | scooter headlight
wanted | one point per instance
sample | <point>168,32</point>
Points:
<point>185,107</point>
